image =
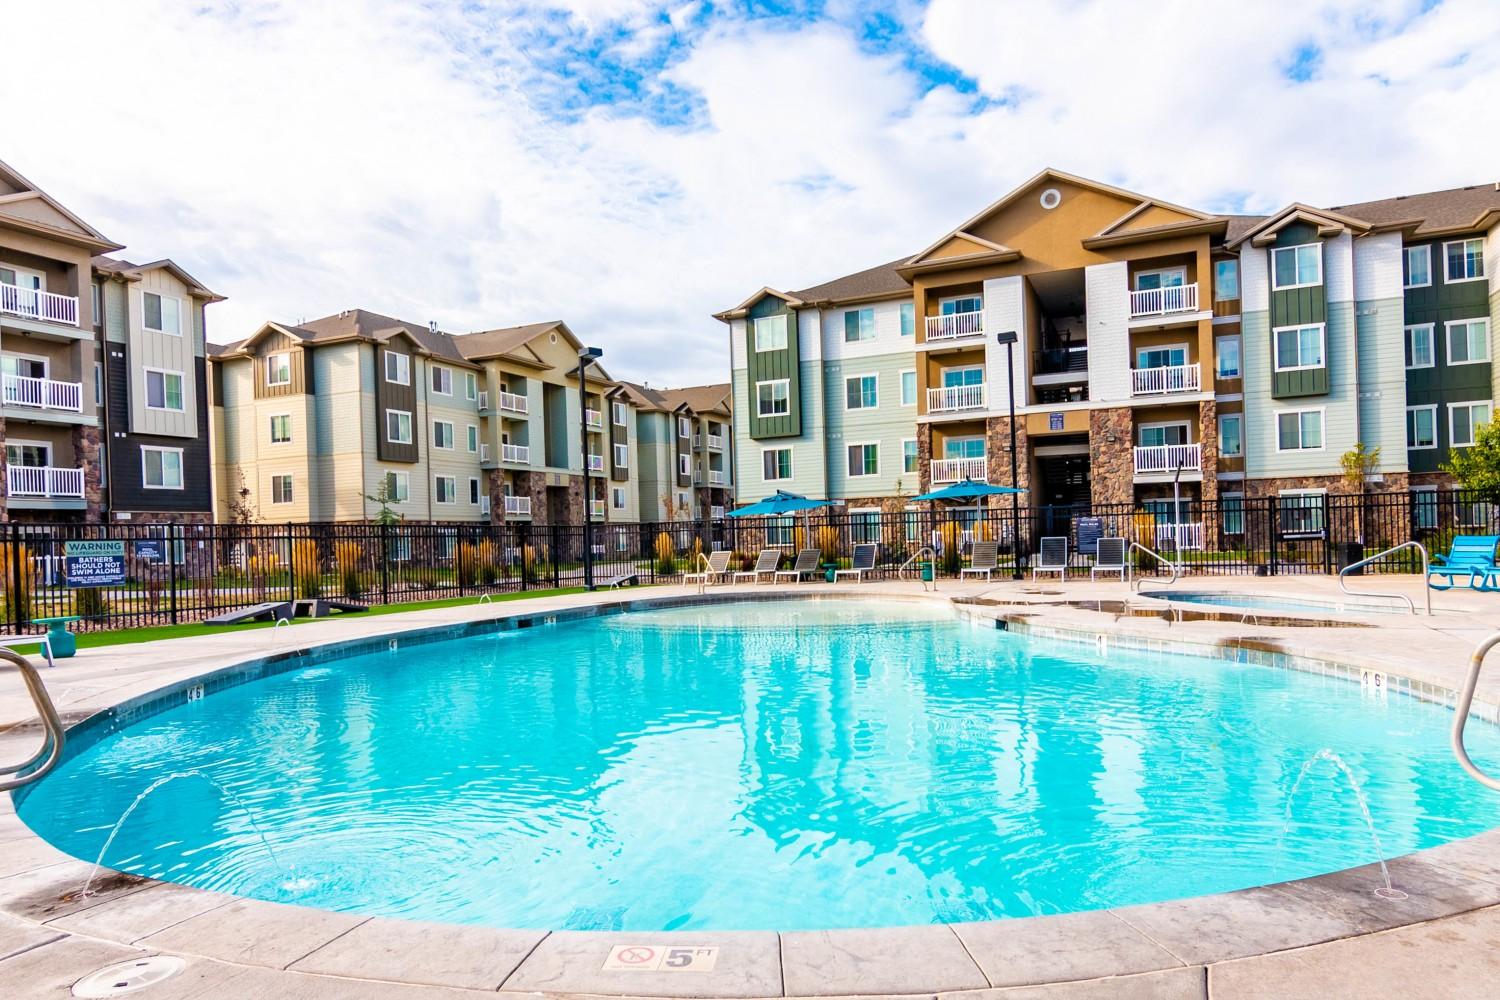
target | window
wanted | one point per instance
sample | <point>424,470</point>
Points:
<point>1297,267</point>
<point>1464,260</point>
<point>98,384</point>
<point>970,447</point>
<point>1166,277</point>
<point>684,465</point>
<point>908,319</point>
<point>1232,513</point>
<point>770,333</point>
<point>864,459</point>
<point>161,468</point>
<point>860,392</point>
<point>473,438</point>
<point>1473,513</point>
<point>444,489</point>
<point>772,399</point>
<point>442,434</point>
<point>442,380</point>
<point>1226,280</point>
<point>864,525</point>
<point>281,489</point>
<point>1419,346</point>
<point>278,369</point>
<point>397,368</point>
<point>471,386</point>
<point>31,454</point>
<point>1465,421</point>
<point>859,324</point>
<point>281,428</point>
<point>1424,507</point>
<point>622,455</point>
<point>960,304</point>
<point>909,455</point>
<point>909,388</point>
<point>776,464</point>
<point>913,522</point>
<point>1231,435</point>
<point>1227,353</point>
<point>1299,347</point>
<point>1159,435</point>
<point>398,426</point>
<point>162,313</point>
<point>1421,427</point>
<point>1174,356</point>
<point>1468,341</point>
<point>685,426</point>
<point>1301,511</point>
<point>617,412</point>
<point>473,490</point>
<point>617,497</point>
<point>163,390</point>
<point>397,487</point>
<point>103,465</point>
<point>1416,267</point>
<point>969,375</point>
<point>781,531</point>
<point>1299,430</point>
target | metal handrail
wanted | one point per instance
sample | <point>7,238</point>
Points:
<point>1426,590</point>
<point>931,554</point>
<point>1135,581</point>
<point>52,741</point>
<point>1461,713</point>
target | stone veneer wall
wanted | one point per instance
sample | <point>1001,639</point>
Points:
<point>997,448</point>
<point>1111,464</point>
<point>86,454</point>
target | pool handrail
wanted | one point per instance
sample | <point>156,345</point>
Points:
<point>53,738</point>
<point>927,551</point>
<point>1426,562</point>
<point>1135,581</point>
<point>1461,712</point>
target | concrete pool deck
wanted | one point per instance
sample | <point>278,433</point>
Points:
<point>1322,937</point>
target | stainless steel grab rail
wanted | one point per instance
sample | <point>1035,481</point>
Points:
<point>1426,590</point>
<point>1135,581</point>
<point>52,741</point>
<point>1461,713</point>
<point>926,550</point>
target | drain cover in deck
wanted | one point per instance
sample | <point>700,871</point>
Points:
<point>128,977</point>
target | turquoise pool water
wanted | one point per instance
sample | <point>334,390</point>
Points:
<point>1261,602</point>
<point>785,765</point>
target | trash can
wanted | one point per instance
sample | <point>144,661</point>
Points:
<point>926,571</point>
<point>1349,554</point>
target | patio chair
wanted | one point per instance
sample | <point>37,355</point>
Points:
<point>1470,561</point>
<point>984,559</point>
<point>1110,558</point>
<point>864,562</point>
<point>711,568</point>
<point>1053,557</point>
<point>807,563</point>
<point>765,563</point>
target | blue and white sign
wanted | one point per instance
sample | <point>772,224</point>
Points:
<point>89,563</point>
<point>148,549</point>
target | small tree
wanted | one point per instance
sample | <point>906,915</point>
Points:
<point>242,508</point>
<point>1359,464</point>
<point>383,497</point>
<point>1477,467</point>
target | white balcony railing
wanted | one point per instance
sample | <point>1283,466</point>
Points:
<point>1159,381</point>
<point>1180,536</point>
<point>515,453</point>
<point>952,470</point>
<point>44,481</point>
<point>1161,301</point>
<point>596,463</point>
<point>593,418</point>
<point>484,400</point>
<point>484,452</point>
<point>716,512</point>
<point>956,397</point>
<point>596,508</point>
<point>518,506</point>
<point>715,477</point>
<point>512,403</point>
<point>969,324</point>
<point>42,393</point>
<point>1169,457</point>
<point>716,441</point>
<point>34,304</point>
<point>484,506</point>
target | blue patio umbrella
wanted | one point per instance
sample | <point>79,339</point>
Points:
<point>967,490</point>
<point>781,502</point>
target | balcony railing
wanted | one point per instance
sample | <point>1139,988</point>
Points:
<point>1161,301</point>
<point>484,400</point>
<point>518,453</point>
<point>44,481</point>
<point>1180,536</point>
<point>716,441</point>
<point>716,512</point>
<point>512,403</point>
<point>484,506</point>
<point>593,418</point>
<point>715,477</point>
<point>42,393</point>
<point>1062,360</point>
<point>596,508</point>
<point>1169,458</point>
<point>34,304</point>
<point>1159,381</point>
<point>956,397</point>
<point>952,470</point>
<point>596,463</point>
<point>969,324</point>
<point>484,453</point>
<point>518,506</point>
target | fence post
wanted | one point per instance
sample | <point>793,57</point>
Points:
<point>15,581</point>
<point>291,568</point>
<point>556,548</point>
<point>385,563</point>
<point>172,568</point>
<point>1272,516</point>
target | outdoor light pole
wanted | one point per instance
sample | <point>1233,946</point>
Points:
<point>1008,338</point>
<point>586,357</point>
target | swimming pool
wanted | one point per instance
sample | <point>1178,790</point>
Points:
<point>787,765</point>
<point>1264,602</point>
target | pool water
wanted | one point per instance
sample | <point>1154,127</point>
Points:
<point>783,765</point>
<point>1262,602</point>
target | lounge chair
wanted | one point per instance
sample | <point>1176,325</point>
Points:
<point>864,562</point>
<point>765,563</point>
<point>712,567</point>
<point>807,563</point>
<point>984,559</point>
<point>1470,560</point>
<point>1110,558</point>
<point>1053,557</point>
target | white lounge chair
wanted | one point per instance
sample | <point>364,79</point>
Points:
<point>807,563</point>
<point>864,562</point>
<point>984,559</point>
<point>1053,557</point>
<point>710,568</point>
<point>765,563</point>
<point>1110,559</point>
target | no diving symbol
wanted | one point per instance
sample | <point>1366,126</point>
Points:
<point>636,956</point>
<point>676,958</point>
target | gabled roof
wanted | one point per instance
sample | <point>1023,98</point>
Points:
<point>872,283</point>
<point>356,324</point>
<point>512,343</point>
<point>133,272</point>
<point>1328,224</point>
<point>740,310</point>
<point>1434,213</point>
<point>26,206</point>
<point>715,398</point>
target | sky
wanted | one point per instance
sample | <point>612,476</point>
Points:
<point>632,166</point>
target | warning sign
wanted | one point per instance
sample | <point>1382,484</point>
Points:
<point>656,958</point>
<point>94,563</point>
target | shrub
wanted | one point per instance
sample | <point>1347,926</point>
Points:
<point>19,581</point>
<point>90,603</point>
<point>827,540</point>
<point>348,555</point>
<point>306,568</point>
<point>260,569</point>
<point>485,558</point>
<point>666,555</point>
<point>952,537</point>
<point>466,564</point>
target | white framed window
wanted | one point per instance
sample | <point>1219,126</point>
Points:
<point>864,525</point>
<point>685,426</point>
<point>1465,421</point>
<point>398,487</point>
<point>781,530</point>
<point>909,455</point>
<point>1419,346</point>
<point>909,388</point>
<point>1463,260</point>
<point>1161,277</point>
<point>1157,435</point>
<point>1298,347</point>
<point>1226,280</point>
<point>281,488</point>
<point>622,456</point>
<point>684,465</point>
<point>161,313</point>
<point>955,305</point>
<point>859,324</point>
<point>398,426</point>
<point>776,464</point>
<point>1424,507</point>
<point>1473,513</point>
<point>163,390</point>
<point>1299,430</point>
<point>397,368</point>
<point>281,428</point>
<point>98,385</point>
<point>30,454</point>
<point>1166,356</point>
<point>861,392</point>
<point>1301,511</point>
<point>864,460</point>
<point>1231,435</point>
<point>471,386</point>
<point>772,399</point>
<point>279,369</point>
<point>473,491</point>
<point>442,434</point>
<point>1232,513</point>
<point>770,333</point>
<point>617,497</point>
<point>161,468</point>
<point>1416,267</point>
<point>442,380</point>
<point>1227,356</point>
<point>617,413</point>
<point>473,438</point>
<point>1421,427</point>
<point>1297,267</point>
<point>1468,341</point>
<point>908,319</point>
<point>444,489</point>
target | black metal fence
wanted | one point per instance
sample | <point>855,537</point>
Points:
<point>184,573</point>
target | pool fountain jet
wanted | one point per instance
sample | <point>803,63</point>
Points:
<point>1386,891</point>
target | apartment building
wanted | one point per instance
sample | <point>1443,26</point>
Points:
<point>686,450</point>
<point>1151,344</point>
<point>102,363</point>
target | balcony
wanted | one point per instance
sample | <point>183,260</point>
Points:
<point>952,470</point>
<point>715,477</point>
<point>512,403</point>
<point>1168,458</point>
<point>1164,380</point>
<point>484,400</point>
<point>520,454</point>
<point>43,480</point>
<point>34,304</point>
<point>484,453</point>
<point>596,463</point>
<point>42,393</point>
<point>716,441</point>
<point>484,506</point>
<point>1061,361</point>
<point>955,325</point>
<point>596,508</point>
<point>1163,301</point>
<point>716,512</point>
<point>594,419</point>
<point>517,506</point>
<point>956,397</point>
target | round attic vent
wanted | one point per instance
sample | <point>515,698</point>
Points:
<point>128,977</point>
<point>1051,198</point>
<point>552,337</point>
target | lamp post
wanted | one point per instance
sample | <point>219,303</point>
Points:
<point>1008,338</point>
<point>586,357</point>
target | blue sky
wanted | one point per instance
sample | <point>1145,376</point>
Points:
<point>631,166</point>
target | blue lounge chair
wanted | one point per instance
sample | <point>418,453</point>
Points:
<point>1470,560</point>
